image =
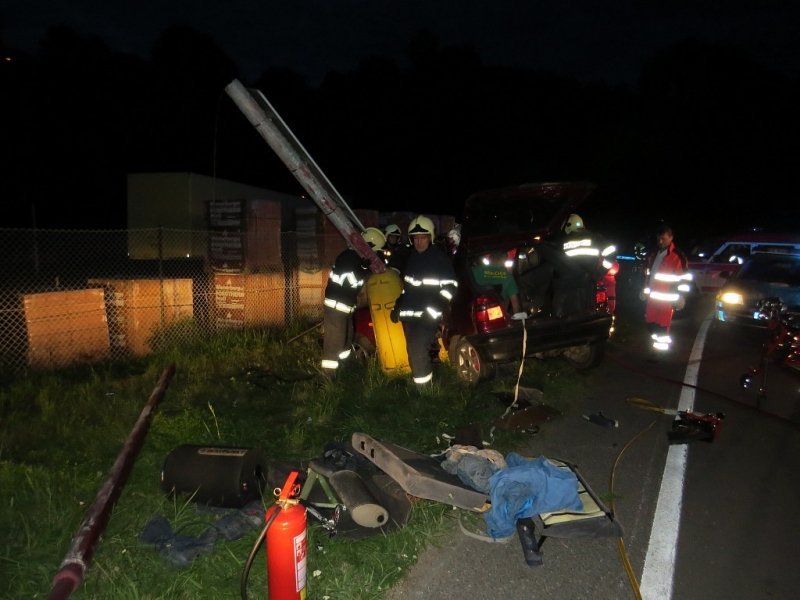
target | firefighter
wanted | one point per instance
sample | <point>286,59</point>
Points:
<point>588,259</point>
<point>593,253</point>
<point>396,252</point>
<point>429,284</point>
<point>346,279</point>
<point>667,281</point>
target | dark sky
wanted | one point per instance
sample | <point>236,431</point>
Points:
<point>586,39</point>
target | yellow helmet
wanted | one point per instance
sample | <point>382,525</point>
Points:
<point>421,225</point>
<point>374,237</point>
<point>572,224</point>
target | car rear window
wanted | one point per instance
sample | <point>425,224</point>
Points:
<point>521,209</point>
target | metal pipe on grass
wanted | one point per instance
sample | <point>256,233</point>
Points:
<point>77,559</point>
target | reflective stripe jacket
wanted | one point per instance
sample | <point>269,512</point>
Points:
<point>590,251</point>
<point>429,284</point>
<point>345,280</point>
<point>667,282</point>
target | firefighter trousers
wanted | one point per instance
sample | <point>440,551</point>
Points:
<point>338,337</point>
<point>420,335</point>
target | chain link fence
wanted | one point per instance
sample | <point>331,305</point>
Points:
<point>85,296</point>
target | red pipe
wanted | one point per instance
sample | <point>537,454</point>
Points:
<point>77,559</point>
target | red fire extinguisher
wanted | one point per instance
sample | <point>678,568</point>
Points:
<point>286,545</point>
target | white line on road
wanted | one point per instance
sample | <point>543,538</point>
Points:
<point>659,564</point>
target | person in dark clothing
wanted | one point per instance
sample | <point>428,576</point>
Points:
<point>346,279</point>
<point>395,252</point>
<point>588,258</point>
<point>429,284</point>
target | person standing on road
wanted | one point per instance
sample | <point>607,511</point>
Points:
<point>667,280</point>
<point>429,284</point>
<point>346,279</point>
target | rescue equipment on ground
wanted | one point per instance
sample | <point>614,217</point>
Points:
<point>287,542</point>
<point>423,476</point>
<point>782,346</point>
<point>692,427</point>
<point>688,426</point>
<point>215,475</point>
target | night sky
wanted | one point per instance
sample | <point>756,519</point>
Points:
<point>682,110</point>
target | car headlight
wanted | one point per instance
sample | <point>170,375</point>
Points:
<point>731,298</point>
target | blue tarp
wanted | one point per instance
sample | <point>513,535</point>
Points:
<point>526,488</point>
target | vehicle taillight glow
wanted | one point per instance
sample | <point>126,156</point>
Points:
<point>489,315</point>
<point>614,269</point>
<point>600,296</point>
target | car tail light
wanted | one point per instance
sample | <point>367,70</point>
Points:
<point>489,314</point>
<point>614,269</point>
<point>601,297</point>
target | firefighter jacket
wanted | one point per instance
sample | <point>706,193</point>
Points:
<point>590,251</point>
<point>667,282</point>
<point>345,280</point>
<point>429,284</point>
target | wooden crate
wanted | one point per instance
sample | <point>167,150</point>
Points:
<point>245,235</point>
<point>66,327</point>
<point>138,308</point>
<point>249,299</point>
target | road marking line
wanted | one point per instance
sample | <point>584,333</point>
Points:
<point>659,563</point>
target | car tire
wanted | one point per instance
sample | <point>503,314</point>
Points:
<point>468,363</point>
<point>586,356</point>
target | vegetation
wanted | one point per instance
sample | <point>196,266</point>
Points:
<point>61,432</point>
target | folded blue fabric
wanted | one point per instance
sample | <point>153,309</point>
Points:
<point>526,488</point>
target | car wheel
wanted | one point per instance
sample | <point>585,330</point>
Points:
<point>469,365</point>
<point>586,356</point>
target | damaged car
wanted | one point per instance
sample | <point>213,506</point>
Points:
<point>555,312</point>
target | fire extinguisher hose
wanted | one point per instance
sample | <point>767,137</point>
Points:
<point>256,546</point>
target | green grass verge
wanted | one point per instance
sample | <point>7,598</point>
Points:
<point>60,433</point>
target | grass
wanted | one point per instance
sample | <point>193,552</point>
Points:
<point>60,433</point>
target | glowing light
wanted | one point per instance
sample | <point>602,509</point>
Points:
<point>731,298</point>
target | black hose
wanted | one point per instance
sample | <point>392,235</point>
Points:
<point>256,546</point>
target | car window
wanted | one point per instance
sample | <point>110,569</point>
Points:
<point>773,269</point>
<point>733,253</point>
<point>510,216</point>
<point>522,209</point>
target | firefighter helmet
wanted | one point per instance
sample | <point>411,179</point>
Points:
<point>374,237</point>
<point>421,225</point>
<point>572,224</point>
<point>392,229</point>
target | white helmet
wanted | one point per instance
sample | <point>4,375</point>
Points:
<point>374,237</point>
<point>392,229</point>
<point>572,224</point>
<point>421,225</point>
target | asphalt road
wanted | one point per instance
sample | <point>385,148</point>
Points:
<point>737,530</point>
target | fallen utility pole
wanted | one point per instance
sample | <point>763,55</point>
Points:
<point>285,144</point>
<point>75,563</point>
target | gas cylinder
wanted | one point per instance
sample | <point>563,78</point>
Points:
<point>286,546</point>
<point>390,341</point>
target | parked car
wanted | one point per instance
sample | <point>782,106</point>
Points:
<point>713,264</point>
<point>763,276</point>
